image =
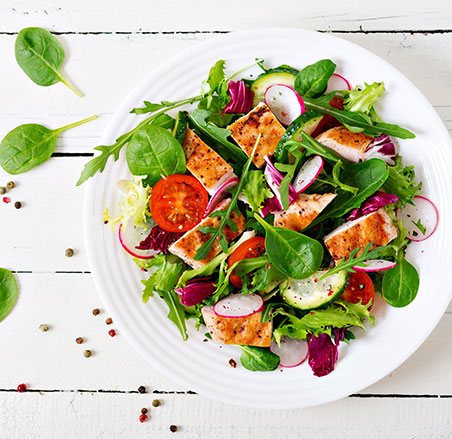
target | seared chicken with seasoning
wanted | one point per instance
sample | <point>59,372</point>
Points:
<point>205,164</point>
<point>302,211</point>
<point>238,330</point>
<point>187,246</point>
<point>376,228</point>
<point>246,130</point>
<point>350,146</point>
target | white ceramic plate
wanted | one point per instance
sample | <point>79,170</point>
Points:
<point>204,367</point>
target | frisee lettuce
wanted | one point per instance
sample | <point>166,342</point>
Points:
<point>256,190</point>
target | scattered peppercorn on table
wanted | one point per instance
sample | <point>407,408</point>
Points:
<point>66,370</point>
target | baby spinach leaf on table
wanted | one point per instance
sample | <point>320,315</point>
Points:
<point>292,253</point>
<point>40,55</point>
<point>400,284</point>
<point>359,120</point>
<point>258,359</point>
<point>198,120</point>
<point>154,152</point>
<point>256,190</point>
<point>312,81</point>
<point>29,145</point>
<point>8,292</point>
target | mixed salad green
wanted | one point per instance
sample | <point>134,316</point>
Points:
<point>271,211</point>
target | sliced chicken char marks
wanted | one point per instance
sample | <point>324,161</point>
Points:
<point>302,211</point>
<point>350,146</point>
<point>187,246</point>
<point>376,228</point>
<point>205,164</point>
<point>246,130</point>
<point>238,330</point>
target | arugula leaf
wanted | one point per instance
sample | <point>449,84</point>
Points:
<point>258,359</point>
<point>215,106</point>
<point>216,233</point>
<point>420,226</point>
<point>363,99</point>
<point>339,314</point>
<point>290,172</point>
<point>216,75</point>
<point>256,190</point>
<point>400,182</point>
<point>162,281</point>
<point>313,79</point>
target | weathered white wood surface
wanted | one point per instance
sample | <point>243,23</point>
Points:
<point>111,45</point>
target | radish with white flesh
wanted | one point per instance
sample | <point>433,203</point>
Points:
<point>308,173</point>
<point>291,351</point>
<point>373,265</point>
<point>337,82</point>
<point>284,102</point>
<point>239,305</point>
<point>131,236</point>
<point>420,219</point>
<point>220,194</point>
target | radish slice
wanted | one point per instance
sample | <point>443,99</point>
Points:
<point>239,305</point>
<point>284,102</point>
<point>424,211</point>
<point>219,194</point>
<point>376,265</point>
<point>131,236</point>
<point>337,82</point>
<point>308,173</point>
<point>291,351</point>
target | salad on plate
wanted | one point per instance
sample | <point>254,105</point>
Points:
<point>271,210</point>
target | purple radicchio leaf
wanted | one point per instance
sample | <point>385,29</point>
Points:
<point>241,98</point>
<point>159,240</point>
<point>196,290</point>
<point>382,148</point>
<point>372,204</point>
<point>323,352</point>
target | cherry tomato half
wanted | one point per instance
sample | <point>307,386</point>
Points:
<point>251,248</point>
<point>360,287</point>
<point>178,202</point>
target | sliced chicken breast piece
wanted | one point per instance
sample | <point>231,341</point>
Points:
<point>246,130</point>
<point>187,246</point>
<point>302,211</point>
<point>205,164</point>
<point>350,146</point>
<point>238,330</point>
<point>376,228</point>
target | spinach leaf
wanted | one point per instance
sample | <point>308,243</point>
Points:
<point>255,190</point>
<point>154,152</point>
<point>359,121</point>
<point>401,283</point>
<point>40,55</point>
<point>292,253</point>
<point>8,292</point>
<point>29,145</point>
<point>198,120</point>
<point>180,126</point>
<point>258,359</point>
<point>313,79</point>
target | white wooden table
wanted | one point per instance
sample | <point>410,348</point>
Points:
<point>110,46</point>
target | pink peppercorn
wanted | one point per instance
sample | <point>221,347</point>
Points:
<point>111,332</point>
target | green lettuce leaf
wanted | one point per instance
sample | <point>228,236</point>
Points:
<point>363,99</point>
<point>256,190</point>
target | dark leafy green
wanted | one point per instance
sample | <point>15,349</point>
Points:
<point>313,79</point>
<point>292,253</point>
<point>154,152</point>
<point>258,359</point>
<point>8,292</point>
<point>401,283</point>
<point>29,145</point>
<point>40,55</point>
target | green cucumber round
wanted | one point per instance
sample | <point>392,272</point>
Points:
<point>279,75</point>
<point>312,293</point>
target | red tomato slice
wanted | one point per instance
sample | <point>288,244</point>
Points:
<point>327,120</point>
<point>251,248</point>
<point>178,202</point>
<point>359,287</point>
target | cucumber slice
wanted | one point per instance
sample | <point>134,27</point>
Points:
<point>279,75</point>
<point>310,293</point>
<point>306,122</point>
<point>180,126</point>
